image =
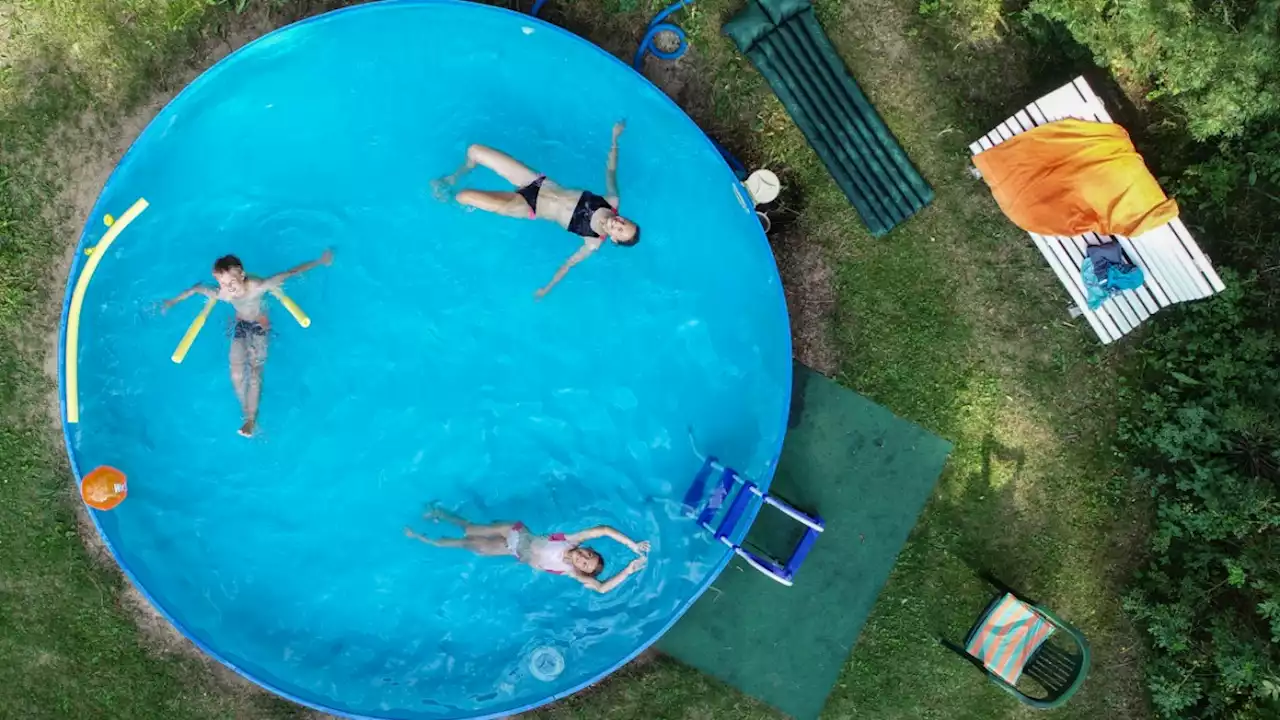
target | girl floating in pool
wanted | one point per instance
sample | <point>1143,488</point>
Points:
<point>249,337</point>
<point>556,553</point>
<point>581,212</point>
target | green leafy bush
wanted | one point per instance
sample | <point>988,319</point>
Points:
<point>1201,426</point>
<point>1215,62</point>
<point>1236,191</point>
<point>1204,431</point>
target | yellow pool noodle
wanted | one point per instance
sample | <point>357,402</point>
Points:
<point>193,330</point>
<point>292,307</point>
<point>77,302</point>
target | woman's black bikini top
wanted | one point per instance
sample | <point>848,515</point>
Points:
<point>580,221</point>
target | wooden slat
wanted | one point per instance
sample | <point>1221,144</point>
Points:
<point>1159,270</point>
<point>1036,115</point>
<point>1156,245</point>
<point>1180,262</point>
<point>1202,262</point>
<point>1090,98</point>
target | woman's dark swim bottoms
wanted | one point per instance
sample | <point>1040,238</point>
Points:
<point>530,194</point>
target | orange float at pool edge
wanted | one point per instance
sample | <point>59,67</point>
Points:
<point>104,488</point>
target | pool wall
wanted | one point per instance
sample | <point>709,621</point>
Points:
<point>98,212</point>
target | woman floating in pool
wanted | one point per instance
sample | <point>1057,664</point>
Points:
<point>581,212</point>
<point>556,553</point>
<point>249,338</point>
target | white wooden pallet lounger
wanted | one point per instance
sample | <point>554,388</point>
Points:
<point>1175,268</point>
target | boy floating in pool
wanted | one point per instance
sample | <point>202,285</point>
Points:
<point>557,553</point>
<point>536,197</point>
<point>246,293</point>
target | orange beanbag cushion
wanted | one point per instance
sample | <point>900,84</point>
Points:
<point>1074,176</point>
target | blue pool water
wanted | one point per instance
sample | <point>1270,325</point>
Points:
<point>430,373</point>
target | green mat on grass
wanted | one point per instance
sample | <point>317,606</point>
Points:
<point>868,474</point>
<point>783,39</point>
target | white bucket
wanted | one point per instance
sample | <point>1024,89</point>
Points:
<point>763,186</point>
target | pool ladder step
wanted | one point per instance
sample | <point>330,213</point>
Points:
<point>733,497</point>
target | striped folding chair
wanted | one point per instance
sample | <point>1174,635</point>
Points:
<point>1011,644</point>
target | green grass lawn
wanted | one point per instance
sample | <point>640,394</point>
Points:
<point>952,321</point>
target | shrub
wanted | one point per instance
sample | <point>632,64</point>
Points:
<point>1201,426</point>
<point>1204,433</point>
<point>1215,62</point>
<point>1236,191</point>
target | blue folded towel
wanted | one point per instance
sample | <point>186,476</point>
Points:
<point>1107,272</point>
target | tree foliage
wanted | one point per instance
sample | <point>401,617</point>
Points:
<point>1204,434</point>
<point>1202,430</point>
<point>1216,62</point>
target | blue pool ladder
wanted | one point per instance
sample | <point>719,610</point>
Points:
<point>733,497</point>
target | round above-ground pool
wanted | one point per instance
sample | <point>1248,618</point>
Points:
<point>430,374</point>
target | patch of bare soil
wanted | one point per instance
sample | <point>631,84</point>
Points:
<point>582,698</point>
<point>90,537</point>
<point>807,276</point>
<point>678,78</point>
<point>809,283</point>
<point>686,80</point>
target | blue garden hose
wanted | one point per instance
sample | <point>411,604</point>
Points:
<point>658,25</point>
<point>655,26</point>
<point>739,170</point>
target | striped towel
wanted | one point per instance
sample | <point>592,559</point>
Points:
<point>1005,639</point>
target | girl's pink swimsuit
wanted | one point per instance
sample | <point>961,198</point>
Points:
<point>545,553</point>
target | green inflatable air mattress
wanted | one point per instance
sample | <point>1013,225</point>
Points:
<point>783,39</point>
